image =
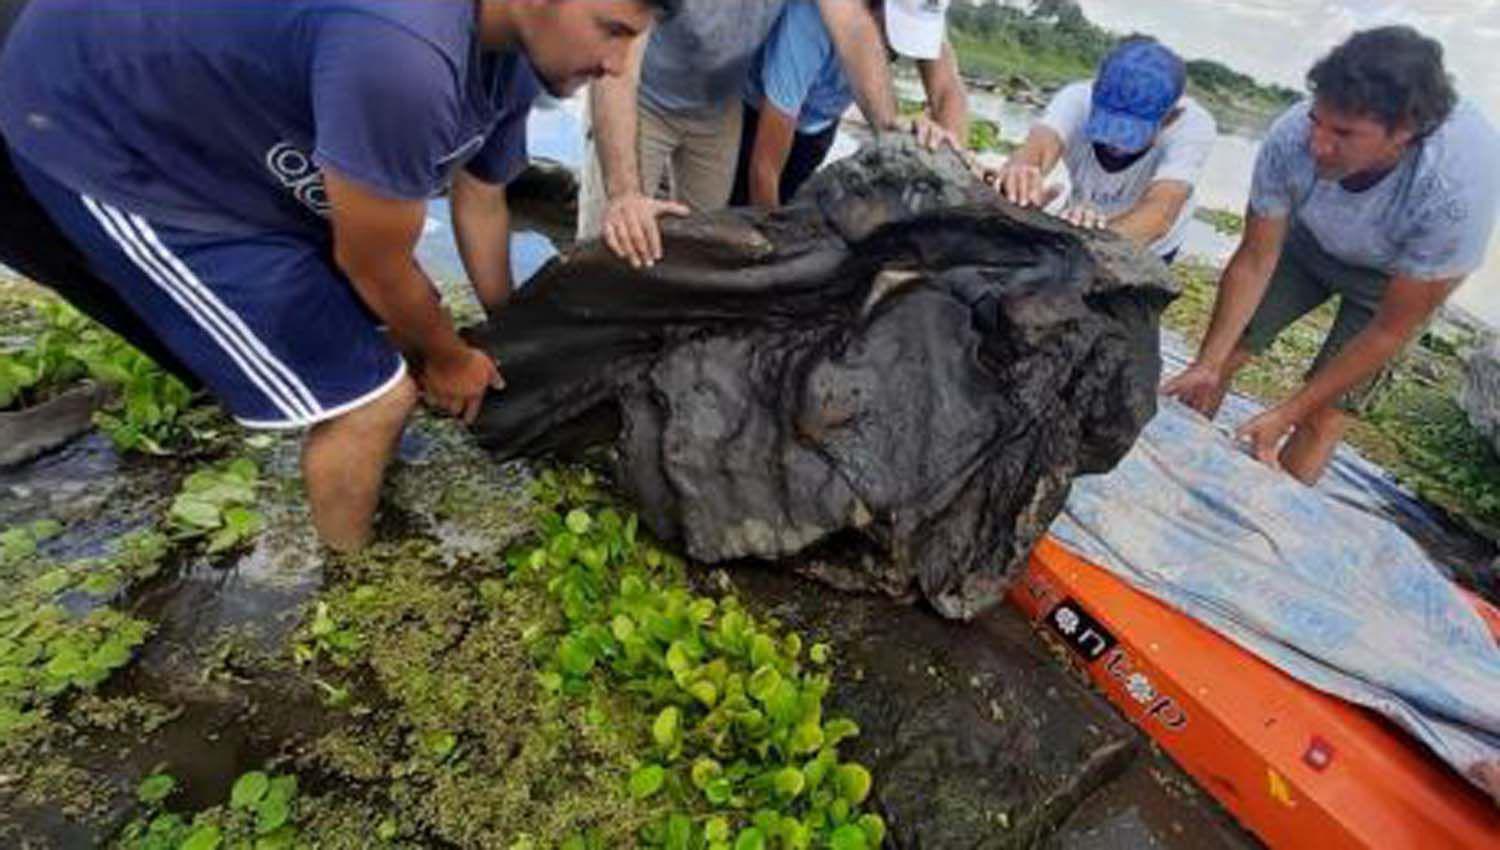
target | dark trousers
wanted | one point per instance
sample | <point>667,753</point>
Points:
<point>808,152</point>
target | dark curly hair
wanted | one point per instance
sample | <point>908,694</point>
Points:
<point>1394,75</point>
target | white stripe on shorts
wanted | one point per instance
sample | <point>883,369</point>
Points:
<point>287,392</point>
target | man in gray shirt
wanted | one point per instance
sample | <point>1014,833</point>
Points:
<point>676,113</point>
<point>1382,190</point>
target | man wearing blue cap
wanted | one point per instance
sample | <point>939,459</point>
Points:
<point>1134,146</point>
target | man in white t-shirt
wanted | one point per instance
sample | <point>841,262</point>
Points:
<point>1382,190</point>
<point>1133,144</point>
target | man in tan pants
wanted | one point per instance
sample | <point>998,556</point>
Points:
<point>675,114</point>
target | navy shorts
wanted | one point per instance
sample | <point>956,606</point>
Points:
<point>267,322</point>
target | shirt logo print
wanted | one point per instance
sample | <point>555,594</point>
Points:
<point>299,175</point>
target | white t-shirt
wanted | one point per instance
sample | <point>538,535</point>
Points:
<point>1429,219</point>
<point>1179,153</point>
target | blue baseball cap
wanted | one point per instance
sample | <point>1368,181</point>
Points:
<point>1138,84</point>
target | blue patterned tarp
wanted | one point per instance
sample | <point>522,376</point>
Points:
<point>1334,595</point>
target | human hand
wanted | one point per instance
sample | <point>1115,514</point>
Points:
<point>1201,387</point>
<point>932,135</point>
<point>1086,215</point>
<point>1265,433</point>
<point>631,230</point>
<point>455,381</point>
<point>1022,184</point>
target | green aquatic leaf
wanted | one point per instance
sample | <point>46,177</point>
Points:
<point>874,828</point>
<point>579,522</point>
<point>440,743</point>
<point>575,656</point>
<point>750,838</point>
<point>283,838</point>
<point>764,682</point>
<point>249,790</point>
<point>53,582</point>
<point>155,788</point>
<point>202,838</point>
<point>101,584</point>
<point>839,729</point>
<point>647,780</point>
<point>705,770</point>
<point>704,692</point>
<point>762,650</point>
<point>665,731</point>
<point>719,791</point>
<point>789,782</point>
<point>853,782</point>
<point>848,837</point>
<point>271,813</point>
<point>716,829</point>
<point>110,655</point>
<point>44,529</point>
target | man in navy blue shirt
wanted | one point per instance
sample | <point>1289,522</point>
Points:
<point>251,179</point>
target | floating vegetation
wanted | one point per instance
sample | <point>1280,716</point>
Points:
<point>153,411</point>
<point>261,814</point>
<point>217,503</point>
<point>48,649</point>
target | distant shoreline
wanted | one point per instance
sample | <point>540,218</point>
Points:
<point>1026,56</point>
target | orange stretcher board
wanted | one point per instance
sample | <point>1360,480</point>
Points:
<point>1299,768</point>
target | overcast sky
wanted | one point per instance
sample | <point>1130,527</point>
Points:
<point>1278,40</point>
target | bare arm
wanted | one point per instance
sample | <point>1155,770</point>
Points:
<point>860,45</point>
<point>1242,286</point>
<point>947,99</point>
<point>373,241</point>
<point>773,143</point>
<point>612,115</point>
<point>481,225</point>
<point>630,215</point>
<point>1154,214</point>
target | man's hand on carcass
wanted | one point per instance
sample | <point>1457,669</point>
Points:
<point>1022,184</point>
<point>455,380</point>
<point>631,229</point>
<point>1085,215</point>
<point>932,135</point>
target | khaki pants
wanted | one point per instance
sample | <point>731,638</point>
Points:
<point>694,153</point>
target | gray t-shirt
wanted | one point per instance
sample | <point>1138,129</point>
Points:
<point>1428,219</point>
<point>698,61</point>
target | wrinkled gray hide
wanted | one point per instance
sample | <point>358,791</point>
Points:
<point>896,355</point>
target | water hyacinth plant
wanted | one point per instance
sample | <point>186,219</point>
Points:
<point>740,755</point>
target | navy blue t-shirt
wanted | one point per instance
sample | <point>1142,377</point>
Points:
<point>217,116</point>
